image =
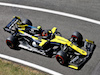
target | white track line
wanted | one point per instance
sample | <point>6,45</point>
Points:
<point>29,64</point>
<point>51,11</point>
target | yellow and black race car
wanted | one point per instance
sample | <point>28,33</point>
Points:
<point>72,52</point>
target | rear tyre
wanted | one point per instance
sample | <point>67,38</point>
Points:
<point>27,21</point>
<point>12,42</point>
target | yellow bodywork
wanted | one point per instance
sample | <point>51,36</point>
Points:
<point>21,31</point>
<point>89,41</point>
<point>42,42</point>
<point>23,27</point>
<point>64,41</point>
<point>59,39</point>
<point>72,66</point>
<point>53,30</point>
<point>16,16</point>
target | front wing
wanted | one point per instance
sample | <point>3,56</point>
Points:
<point>79,61</point>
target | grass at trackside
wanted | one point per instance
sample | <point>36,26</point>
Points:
<point>11,68</point>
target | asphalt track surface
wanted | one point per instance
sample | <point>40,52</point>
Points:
<point>86,8</point>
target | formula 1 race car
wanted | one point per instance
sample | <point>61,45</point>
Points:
<point>73,52</point>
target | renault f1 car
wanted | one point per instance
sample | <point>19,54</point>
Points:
<point>73,52</point>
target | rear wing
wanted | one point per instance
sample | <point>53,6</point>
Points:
<point>10,25</point>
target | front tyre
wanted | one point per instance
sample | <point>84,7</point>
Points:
<point>62,58</point>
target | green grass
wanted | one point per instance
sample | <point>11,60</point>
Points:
<point>11,68</point>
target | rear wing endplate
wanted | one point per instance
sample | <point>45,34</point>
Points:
<point>14,21</point>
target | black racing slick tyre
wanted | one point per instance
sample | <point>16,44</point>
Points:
<point>27,21</point>
<point>12,42</point>
<point>78,36</point>
<point>61,57</point>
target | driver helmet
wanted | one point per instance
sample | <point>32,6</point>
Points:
<point>46,33</point>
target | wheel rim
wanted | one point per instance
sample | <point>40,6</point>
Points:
<point>60,59</point>
<point>10,44</point>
